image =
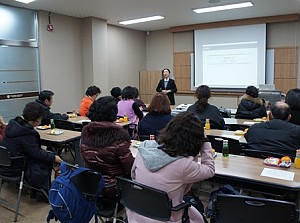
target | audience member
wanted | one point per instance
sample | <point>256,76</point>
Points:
<point>251,106</point>
<point>203,110</point>
<point>277,135</point>
<point>116,92</point>
<point>127,107</point>
<point>139,101</point>
<point>21,139</point>
<point>293,100</point>
<point>2,128</point>
<point>105,145</point>
<point>158,117</point>
<point>167,85</point>
<point>46,99</point>
<point>90,96</point>
<point>172,164</point>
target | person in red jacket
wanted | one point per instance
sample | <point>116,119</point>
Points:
<point>105,145</point>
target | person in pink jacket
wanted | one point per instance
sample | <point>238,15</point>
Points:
<point>180,158</point>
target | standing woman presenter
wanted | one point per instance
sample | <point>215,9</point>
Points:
<point>167,86</point>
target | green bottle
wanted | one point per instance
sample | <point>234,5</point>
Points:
<point>225,150</point>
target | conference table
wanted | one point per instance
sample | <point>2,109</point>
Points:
<point>252,174</point>
<point>60,140</point>
<point>239,121</point>
<point>80,119</point>
<point>227,134</point>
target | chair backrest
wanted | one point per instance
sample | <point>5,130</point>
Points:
<point>4,157</point>
<point>64,124</point>
<point>144,200</point>
<point>237,209</point>
<point>217,144</point>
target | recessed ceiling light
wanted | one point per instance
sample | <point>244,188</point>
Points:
<point>224,7</point>
<point>146,19</point>
<point>25,1</point>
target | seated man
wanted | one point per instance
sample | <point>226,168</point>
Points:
<point>277,135</point>
<point>46,99</point>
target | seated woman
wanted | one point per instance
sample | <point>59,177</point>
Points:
<point>251,106</point>
<point>203,110</point>
<point>293,100</point>
<point>21,139</point>
<point>128,107</point>
<point>139,101</point>
<point>158,117</point>
<point>90,96</point>
<point>105,145</point>
<point>173,165</point>
<point>116,93</point>
<point>2,128</point>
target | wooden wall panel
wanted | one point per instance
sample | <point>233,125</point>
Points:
<point>148,83</point>
<point>286,55</point>
<point>285,71</point>
<point>285,84</point>
<point>182,71</point>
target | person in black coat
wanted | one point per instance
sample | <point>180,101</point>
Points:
<point>46,99</point>
<point>276,135</point>
<point>293,100</point>
<point>21,139</point>
<point>167,86</point>
<point>251,106</point>
<point>203,110</point>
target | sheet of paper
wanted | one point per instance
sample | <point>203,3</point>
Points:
<point>278,174</point>
<point>81,121</point>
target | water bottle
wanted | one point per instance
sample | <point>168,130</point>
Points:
<point>52,126</point>
<point>225,150</point>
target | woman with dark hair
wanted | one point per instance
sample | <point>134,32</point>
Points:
<point>116,93</point>
<point>139,101</point>
<point>167,85</point>
<point>157,118</point>
<point>251,106</point>
<point>21,139</point>
<point>105,145</point>
<point>293,100</point>
<point>90,96</point>
<point>128,107</point>
<point>173,165</point>
<point>203,110</point>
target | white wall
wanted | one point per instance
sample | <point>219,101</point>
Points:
<point>61,60</point>
<point>65,51</point>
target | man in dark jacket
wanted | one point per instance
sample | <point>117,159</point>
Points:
<point>276,135</point>
<point>46,99</point>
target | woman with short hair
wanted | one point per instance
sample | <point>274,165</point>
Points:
<point>251,106</point>
<point>293,100</point>
<point>21,139</point>
<point>158,116</point>
<point>105,145</point>
<point>90,96</point>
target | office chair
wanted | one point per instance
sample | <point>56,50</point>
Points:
<point>148,201</point>
<point>217,144</point>
<point>237,209</point>
<point>6,160</point>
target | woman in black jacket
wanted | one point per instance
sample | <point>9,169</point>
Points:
<point>251,106</point>
<point>21,139</point>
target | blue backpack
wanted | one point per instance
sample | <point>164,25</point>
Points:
<point>68,204</point>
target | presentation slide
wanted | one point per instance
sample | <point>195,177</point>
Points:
<point>230,57</point>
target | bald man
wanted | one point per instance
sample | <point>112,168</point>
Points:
<point>276,135</point>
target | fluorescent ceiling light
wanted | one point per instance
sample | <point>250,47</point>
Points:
<point>223,7</point>
<point>25,1</point>
<point>146,19</point>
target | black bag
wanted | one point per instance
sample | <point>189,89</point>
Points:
<point>195,201</point>
<point>226,189</point>
<point>225,112</point>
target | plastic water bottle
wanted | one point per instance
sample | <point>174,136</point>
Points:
<point>297,159</point>
<point>207,124</point>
